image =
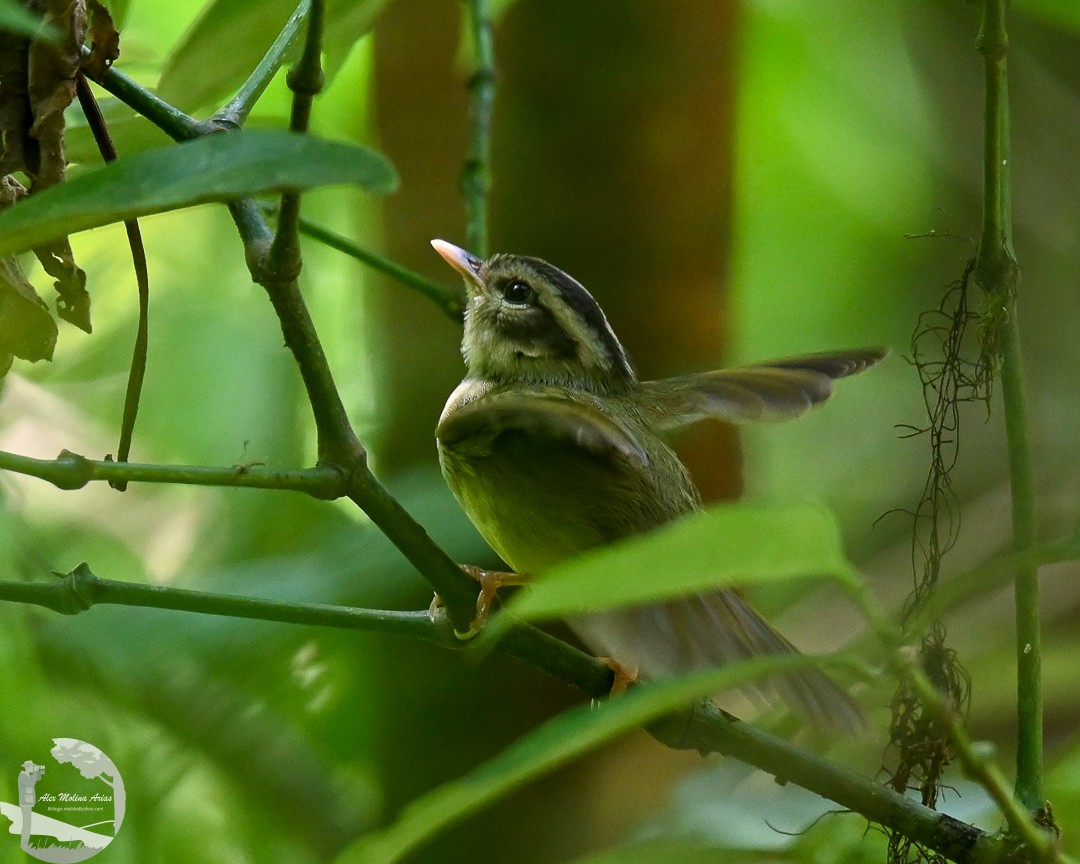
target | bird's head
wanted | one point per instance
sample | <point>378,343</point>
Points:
<point>526,320</point>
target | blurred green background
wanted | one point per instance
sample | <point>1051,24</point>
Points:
<point>733,181</point>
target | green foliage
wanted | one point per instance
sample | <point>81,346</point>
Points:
<point>214,168</point>
<point>719,547</point>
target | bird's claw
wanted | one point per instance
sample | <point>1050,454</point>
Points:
<point>490,582</point>
<point>624,675</point>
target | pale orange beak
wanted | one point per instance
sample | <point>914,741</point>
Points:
<point>467,264</point>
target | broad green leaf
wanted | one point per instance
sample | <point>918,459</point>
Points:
<point>220,49</point>
<point>214,168</point>
<point>15,18</point>
<point>229,38</point>
<point>556,742</point>
<point>1062,13</point>
<point>725,545</point>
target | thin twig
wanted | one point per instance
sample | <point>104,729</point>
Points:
<point>80,590</point>
<point>997,272</point>
<point>305,79</point>
<point>979,766</point>
<point>476,174</point>
<point>450,299</point>
<point>137,373</point>
<point>236,112</point>
<point>72,471</point>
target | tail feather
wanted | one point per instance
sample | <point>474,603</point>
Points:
<point>664,639</point>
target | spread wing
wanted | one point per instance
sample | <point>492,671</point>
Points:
<point>778,390</point>
<point>547,414</point>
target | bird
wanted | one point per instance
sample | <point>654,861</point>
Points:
<point>552,445</point>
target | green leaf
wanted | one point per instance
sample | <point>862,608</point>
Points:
<point>18,19</point>
<point>1061,13</point>
<point>229,38</point>
<point>27,330</point>
<point>553,744</point>
<point>352,19</point>
<point>722,546</point>
<point>220,49</point>
<point>217,167</point>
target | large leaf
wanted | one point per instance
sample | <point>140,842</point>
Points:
<point>215,168</point>
<point>229,38</point>
<point>725,545</point>
<point>553,744</point>
<point>220,49</point>
<point>15,18</point>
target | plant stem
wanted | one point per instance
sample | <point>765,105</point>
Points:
<point>450,300</point>
<point>979,766</point>
<point>305,79</point>
<point>476,174</point>
<point>997,272</point>
<point>239,107</point>
<point>72,471</point>
<point>170,119</point>
<point>80,589</point>
<point>708,729</point>
<point>1029,704</point>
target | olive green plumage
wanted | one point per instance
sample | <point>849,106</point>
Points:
<point>551,446</point>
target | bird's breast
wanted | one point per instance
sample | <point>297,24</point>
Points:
<point>538,497</point>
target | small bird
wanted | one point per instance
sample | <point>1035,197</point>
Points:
<point>553,446</point>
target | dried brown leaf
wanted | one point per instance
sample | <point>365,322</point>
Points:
<point>51,78</point>
<point>104,41</point>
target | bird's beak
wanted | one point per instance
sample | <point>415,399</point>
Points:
<point>467,264</point>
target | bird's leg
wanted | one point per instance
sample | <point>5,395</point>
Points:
<point>490,582</point>
<point>624,675</point>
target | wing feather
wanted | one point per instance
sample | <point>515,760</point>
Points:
<point>777,390</point>
<point>545,413</point>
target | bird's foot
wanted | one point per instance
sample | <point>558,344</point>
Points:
<point>490,582</point>
<point>624,675</point>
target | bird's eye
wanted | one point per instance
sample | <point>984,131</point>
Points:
<point>517,292</point>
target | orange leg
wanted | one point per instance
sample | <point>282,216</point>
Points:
<point>490,582</point>
<point>624,675</point>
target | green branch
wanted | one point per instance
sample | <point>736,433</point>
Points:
<point>306,81</point>
<point>476,174</point>
<point>978,765</point>
<point>80,589</point>
<point>708,729</point>
<point>236,112</point>
<point>450,300</point>
<point>997,273</point>
<point>72,471</point>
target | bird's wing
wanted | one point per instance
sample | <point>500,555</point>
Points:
<point>778,390</point>
<point>545,413</point>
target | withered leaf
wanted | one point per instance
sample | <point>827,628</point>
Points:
<point>73,304</point>
<point>37,83</point>
<point>51,79</point>
<point>104,41</point>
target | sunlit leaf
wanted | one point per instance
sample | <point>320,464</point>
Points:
<point>1063,13</point>
<point>556,742</point>
<point>15,18</point>
<point>220,49</point>
<point>214,168</point>
<point>725,545</point>
<point>27,330</point>
<point>210,62</point>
